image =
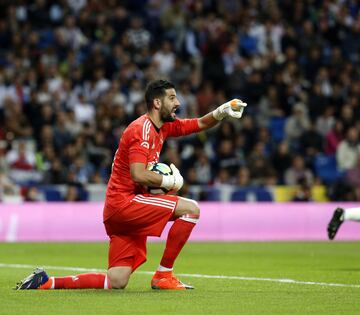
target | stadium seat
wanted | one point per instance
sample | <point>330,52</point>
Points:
<point>46,38</point>
<point>83,194</point>
<point>212,194</point>
<point>325,167</point>
<point>276,128</point>
<point>239,195</point>
<point>251,194</point>
<point>52,194</point>
<point>283,193</point>
<point>263,194</point>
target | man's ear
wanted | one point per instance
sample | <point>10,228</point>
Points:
<point>157,103</point>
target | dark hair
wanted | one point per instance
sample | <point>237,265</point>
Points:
<point>156,89</point>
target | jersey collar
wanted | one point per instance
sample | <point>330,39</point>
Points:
<point>156,128</point>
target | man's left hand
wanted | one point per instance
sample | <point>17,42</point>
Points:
<point>233,108</point>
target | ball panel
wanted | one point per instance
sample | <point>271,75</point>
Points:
<point>161,168</point>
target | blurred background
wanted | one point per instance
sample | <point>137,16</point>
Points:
<point>73,73</point>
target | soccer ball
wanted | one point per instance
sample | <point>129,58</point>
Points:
<point>162,169</point>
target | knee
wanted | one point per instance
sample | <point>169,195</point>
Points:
<point>187,207</point>
<point>118,281</point>
<point>194,209</point>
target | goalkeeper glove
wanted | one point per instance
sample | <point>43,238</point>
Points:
<point>172,182</point>
<point>233,108</point>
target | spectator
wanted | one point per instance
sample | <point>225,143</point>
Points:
<point>222,178</point>
<point>243,177</point>
<point>226,157</point>
<point>231,58</point>
<point>135,93</point>
<point>16,122</point>
<point>311,142</point>
<point>213,64</point>
<point>73,126</point>
<point>297,124</point>
<point>72,194</point>
<point>61,136</point>
<point>84,112</point>
<point>22,163</point>
<point>33,194</point>
<point>236,81</point>
<point>325,122</point>
<point>188,101</point>
<point>249,131</point>
<point>71,34</point>
<point>269,106</point>
<point>181,71</point>
<point>56,174</point>
<point>302,192</point>
<point>334,137</point>
<point>137,35</point>
<point>298,173</point>
<point>203,169</point>
<point>9,191</point>
<point>205,98</point>
<point>348,150</point>
<point>353,174</point>
<point>281,160</point>
<point>347,116</point>
<point>191,176</point>
<point>173,21</point>
<point>164,59</point>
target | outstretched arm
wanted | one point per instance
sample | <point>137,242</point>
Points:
<point>207,121</point>
<point>233,108</point>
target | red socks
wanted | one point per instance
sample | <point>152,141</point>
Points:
<point>178,235</point>
<point>82,281</point>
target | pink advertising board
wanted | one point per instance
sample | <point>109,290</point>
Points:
<point>218,222</point>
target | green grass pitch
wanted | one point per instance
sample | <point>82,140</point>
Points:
<point>251,284</point>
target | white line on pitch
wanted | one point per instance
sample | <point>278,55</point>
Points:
<point>291,281</point>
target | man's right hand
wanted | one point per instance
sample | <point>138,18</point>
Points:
<point>178,179</point>
<point>172,182</point>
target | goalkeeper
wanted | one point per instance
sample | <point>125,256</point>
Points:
<point>130,213</point>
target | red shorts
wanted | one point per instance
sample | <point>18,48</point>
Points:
<point>129,227</point>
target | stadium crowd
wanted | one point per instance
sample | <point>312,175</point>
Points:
<point>72,77</point>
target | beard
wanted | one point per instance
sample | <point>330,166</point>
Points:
<point>166,115</point>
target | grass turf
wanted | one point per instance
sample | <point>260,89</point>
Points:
<point>328,262</point>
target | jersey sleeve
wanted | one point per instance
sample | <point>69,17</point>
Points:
<point>138,147</point>
<point>182,127</point>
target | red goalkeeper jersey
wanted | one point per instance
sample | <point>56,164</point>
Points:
<point>141,142</point>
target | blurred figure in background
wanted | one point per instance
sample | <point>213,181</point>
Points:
<point>302,192</point>
<point>298,172</point>
<point>9,191</point>
<point>33,194</point>
<point>348,150</point>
